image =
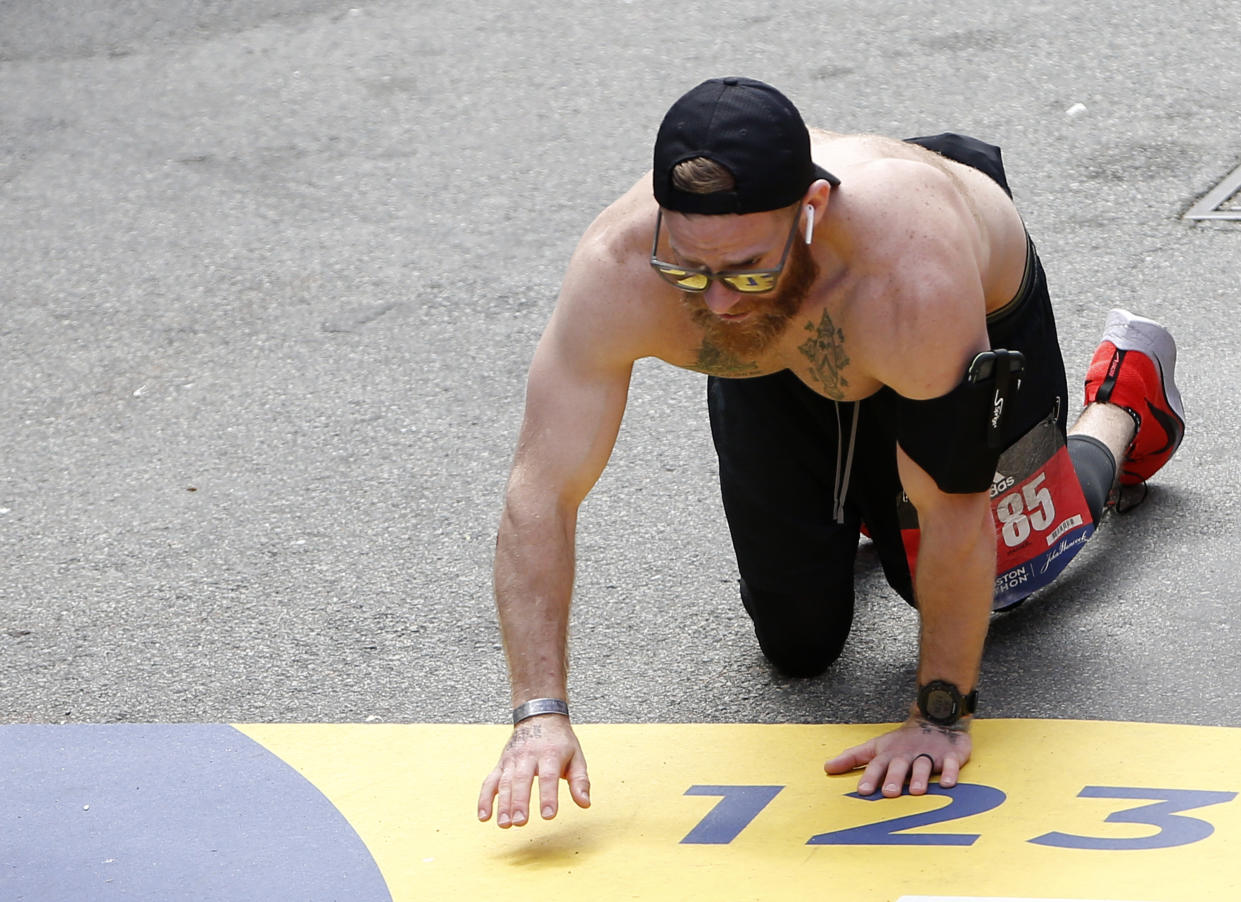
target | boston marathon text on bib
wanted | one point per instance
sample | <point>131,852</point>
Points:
<point>1040,513</point>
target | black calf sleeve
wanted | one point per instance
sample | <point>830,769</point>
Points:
<point>1096,470</point>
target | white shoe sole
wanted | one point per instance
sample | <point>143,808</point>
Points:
<point>1137,333</point>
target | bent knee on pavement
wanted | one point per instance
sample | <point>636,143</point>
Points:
<point>800,633</point>
<point>801,660</point>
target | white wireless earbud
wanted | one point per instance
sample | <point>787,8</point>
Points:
<point>809,223</point>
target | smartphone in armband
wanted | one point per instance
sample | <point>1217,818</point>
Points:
<point>1002,369</point>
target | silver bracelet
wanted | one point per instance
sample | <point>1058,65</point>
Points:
<point>540,706</point>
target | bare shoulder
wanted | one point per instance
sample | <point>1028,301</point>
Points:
<point>621,229</point>
<point>848,152</point>
<point>603,310</point>
<point>881,168</point>
<point>957,202</point>
<point>921,255</point>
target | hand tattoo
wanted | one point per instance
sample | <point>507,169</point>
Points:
<point>825,350</point>
<point>953,732</point>
<point>523,733</point>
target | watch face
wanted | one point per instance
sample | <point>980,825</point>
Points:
<point>940,705</point>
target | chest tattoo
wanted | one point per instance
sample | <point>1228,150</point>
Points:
<point>717,361</point>
<point>825,349</point>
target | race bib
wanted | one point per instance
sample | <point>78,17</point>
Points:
<point>1041,515</point>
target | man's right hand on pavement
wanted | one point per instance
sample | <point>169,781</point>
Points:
<point>544,746</point>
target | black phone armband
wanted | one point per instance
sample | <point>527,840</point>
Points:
<point>958,437</point>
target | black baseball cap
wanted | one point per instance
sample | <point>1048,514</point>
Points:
<point>749,128</point>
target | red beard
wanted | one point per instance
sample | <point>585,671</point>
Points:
<point>769,320</point>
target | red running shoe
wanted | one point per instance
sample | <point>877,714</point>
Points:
<point>1133,368</point>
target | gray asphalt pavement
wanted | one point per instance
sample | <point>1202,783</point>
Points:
<point>271,274</point>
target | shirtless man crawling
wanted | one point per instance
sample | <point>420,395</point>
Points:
<point>877,330</point>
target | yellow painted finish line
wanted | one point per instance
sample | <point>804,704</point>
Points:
<point>1072,810</point>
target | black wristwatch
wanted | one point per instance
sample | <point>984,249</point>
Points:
<point>942,703</point>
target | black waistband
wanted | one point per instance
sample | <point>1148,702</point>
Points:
<point>1023,293</point>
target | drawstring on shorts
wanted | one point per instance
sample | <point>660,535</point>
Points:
<point>841,490</point>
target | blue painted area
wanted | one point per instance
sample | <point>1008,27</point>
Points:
<point>168,812</point>
<point>737,807</point>
<point>968,799</point>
